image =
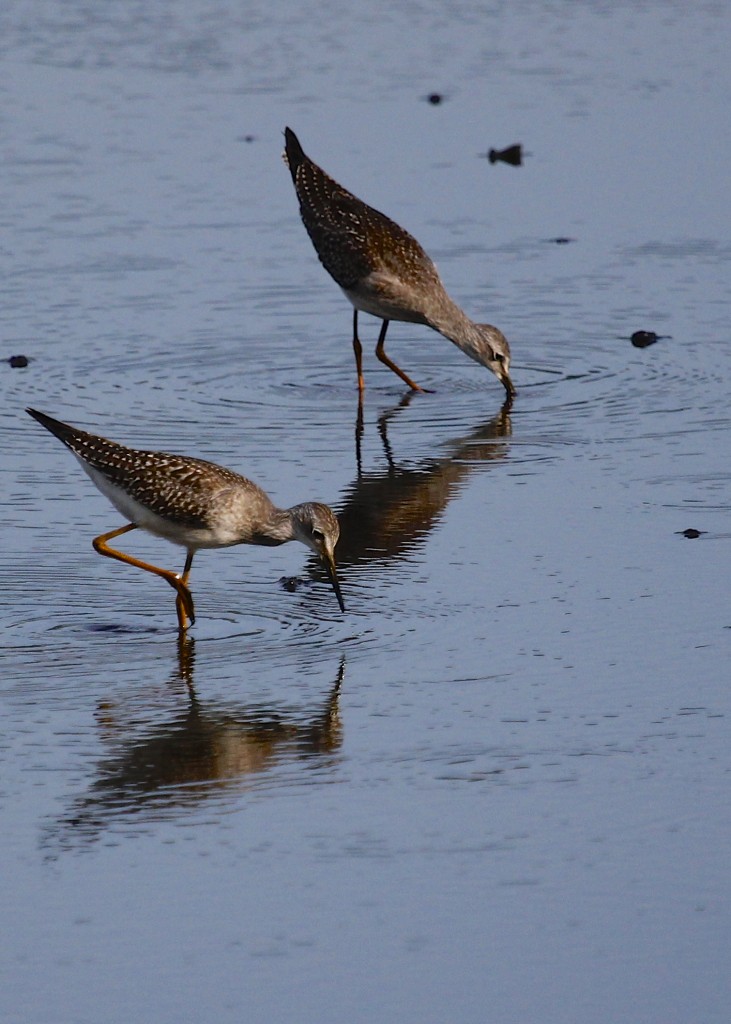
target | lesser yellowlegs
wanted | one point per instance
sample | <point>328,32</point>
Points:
<point>384,271</point>
<point>193,503</point>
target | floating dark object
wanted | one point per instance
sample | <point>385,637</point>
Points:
<point>17,362</point>
<point>562,240</point>
<point>691,533</point>
<point>511,155</point>
<point>291,583</point>
<point>641,339</point>
<point>435,98</point>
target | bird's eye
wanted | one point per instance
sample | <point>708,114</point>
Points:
<point>498,357</point>
<point>318,535</point>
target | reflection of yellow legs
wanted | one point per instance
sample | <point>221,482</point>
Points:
<point>186,660</point>
<point>184,600</point>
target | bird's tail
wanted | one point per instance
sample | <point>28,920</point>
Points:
<point>62,431</point>
<point>294,155</point>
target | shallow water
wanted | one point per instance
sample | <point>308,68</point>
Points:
<point>495,787</point>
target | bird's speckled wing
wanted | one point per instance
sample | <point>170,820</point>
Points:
<point>175,487</point>
<point>351,238</point>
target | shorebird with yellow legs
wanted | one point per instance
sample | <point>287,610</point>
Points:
<point>193,503</point>
<point>384,271</point>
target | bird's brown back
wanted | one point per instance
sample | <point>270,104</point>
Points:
<point>351,238</point>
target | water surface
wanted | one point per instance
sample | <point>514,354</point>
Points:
<point>496,788</point>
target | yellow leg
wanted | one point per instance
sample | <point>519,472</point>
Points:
<point>381,353</point>
<point>180,607</point>
<point>184,602</point>
<point>358,349</point>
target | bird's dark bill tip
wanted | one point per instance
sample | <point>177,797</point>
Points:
<point>338,594</point>
<point>332,573</point>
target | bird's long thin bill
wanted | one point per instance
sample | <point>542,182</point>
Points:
<point>509,386</point>
<point>332,573</point>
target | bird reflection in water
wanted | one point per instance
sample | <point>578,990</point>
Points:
<point>170,768</point>
<point>385,512</point>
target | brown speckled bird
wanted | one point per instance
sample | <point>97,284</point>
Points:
<point>193,503</point>
<point>384,271</point>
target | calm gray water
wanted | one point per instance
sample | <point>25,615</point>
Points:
<point>496,789</point>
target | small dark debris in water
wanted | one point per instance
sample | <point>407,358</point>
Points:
<point>691,533</point>
<point>291,583</point>
<point>561,240</point>
<point>642,339</point>
<point>18,362</point>
<point>512,155</point>
<point>247,138</point>
<point>435,98</point>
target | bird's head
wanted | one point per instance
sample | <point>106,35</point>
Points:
<point>491,348</point>
<point>316,525</point>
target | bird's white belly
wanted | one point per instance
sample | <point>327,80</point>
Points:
<point>385,302</point>
<point>146,519</point>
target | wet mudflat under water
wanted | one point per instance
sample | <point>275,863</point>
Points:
<point>497,787</point>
